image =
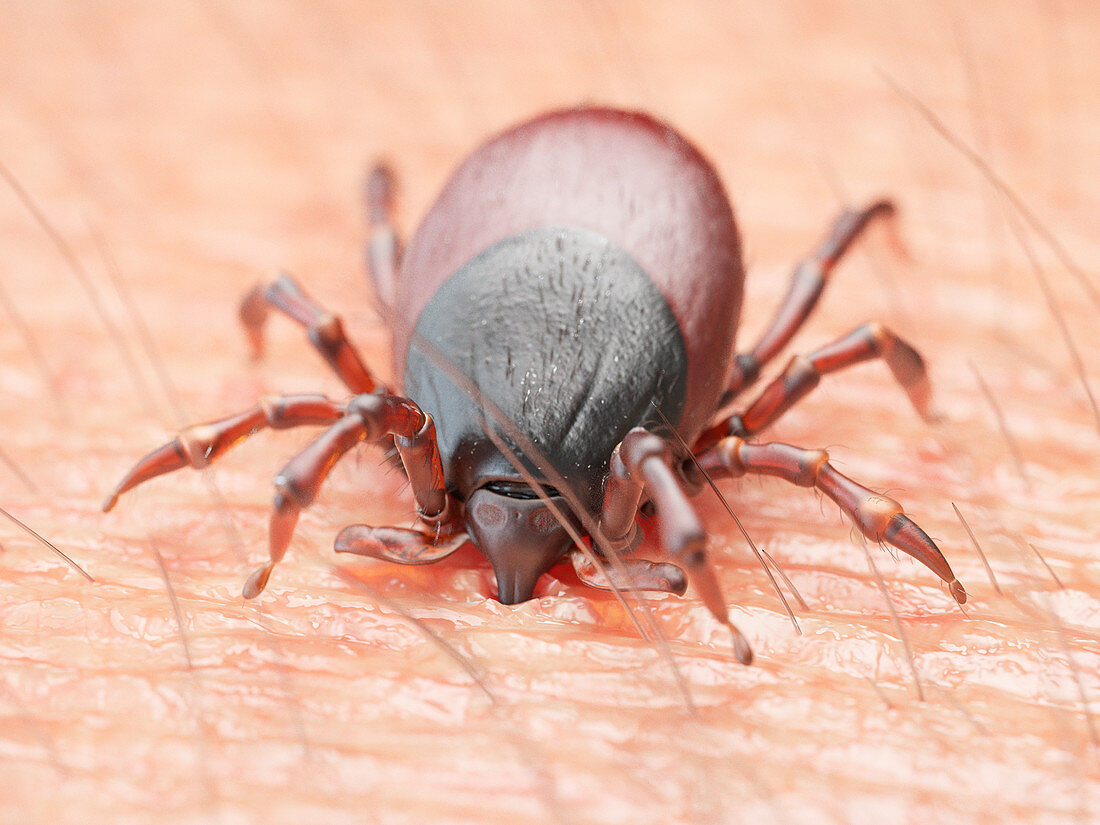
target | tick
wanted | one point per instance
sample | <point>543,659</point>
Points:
<point>563,336</point>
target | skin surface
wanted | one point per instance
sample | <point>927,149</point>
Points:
<point>206,144</point>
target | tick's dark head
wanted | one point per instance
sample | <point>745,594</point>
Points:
<point>518,533</point>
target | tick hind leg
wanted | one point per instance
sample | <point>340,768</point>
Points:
<point>807,284</point>
<point>642,464</point>
<point>804,372</point>
<point>325,330</point>
<point>383,247</point>
<point>879,518</point>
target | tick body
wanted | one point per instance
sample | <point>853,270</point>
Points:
<point>564,336</point>
<point>623,207</point>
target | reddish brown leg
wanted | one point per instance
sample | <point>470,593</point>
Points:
<point>642,463</point>
<point>397,544</point>
<point>803,373</point>
<point>637,573</point>
<point>201,444</point>
<point>807,284</point>
<point>879,518</point>
<point>369,417</point>
<point>325,330</point>
<point>383,248</point>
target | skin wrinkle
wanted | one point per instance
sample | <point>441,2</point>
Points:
<point>212,142</point>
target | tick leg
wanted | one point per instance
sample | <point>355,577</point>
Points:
<point>201,444</point>
<point>642,463</point>
<point>325,330</point>
<point>636,573</point>
<point>879,518</point>
<point>803,373</point>
<point>369,417</point>
<point>807,284</point>
<point>383,248</point>
<point>397,544</point>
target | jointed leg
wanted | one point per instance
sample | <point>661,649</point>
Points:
<point>398,544</point>
<point>369,417</point>
<point>325,330</point>
<point>640,463</point>
<point>879,518</point>
<point>803,373</point>
<point>807,284</point>
<point>383,248</point>
<point>639,573</point>
<point>201,444</point>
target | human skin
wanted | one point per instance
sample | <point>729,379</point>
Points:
<point>205,145</point>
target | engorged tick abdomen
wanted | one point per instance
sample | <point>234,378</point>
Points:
<point>625,175</point>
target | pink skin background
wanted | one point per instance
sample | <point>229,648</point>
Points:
<point>206,144</point>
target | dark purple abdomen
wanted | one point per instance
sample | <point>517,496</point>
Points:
<point>625,175</point>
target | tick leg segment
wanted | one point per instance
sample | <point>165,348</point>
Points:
<point>325,330</point>
<point>879,518</point>
<point>397,544</point>
<point>201,444</point>
<point>383,248</point>
<point>369,417</point>
<point>803,373</point>
<point>642,463</point>
<point>807,284</point>
<point>636,573</point>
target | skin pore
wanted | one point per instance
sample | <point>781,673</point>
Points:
<point>187,151</point>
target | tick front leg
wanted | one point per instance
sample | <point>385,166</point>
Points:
<point>642,463</point>
<point>398,545</point>
<point>369,417</point>
<point>807,284</point>
<point>629,573</point>
<point>325,330</point>
<point>878,517</point>
<point>201,444</point>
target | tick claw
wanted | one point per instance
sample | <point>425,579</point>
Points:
<point>957,591</point>
<point>257,581</point>
<point>741,648</point>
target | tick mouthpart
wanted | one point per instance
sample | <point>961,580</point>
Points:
<point>520,537</point>
<point>513,587</point>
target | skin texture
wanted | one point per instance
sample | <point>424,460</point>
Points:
<point>208,143</point>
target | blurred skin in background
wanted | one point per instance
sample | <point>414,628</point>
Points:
<point>187,151</point>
